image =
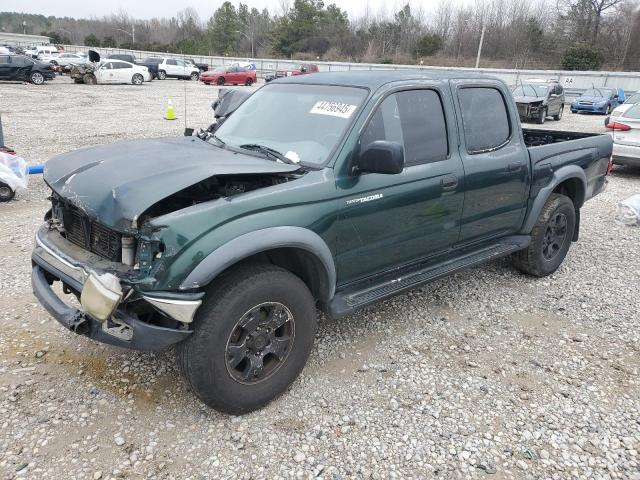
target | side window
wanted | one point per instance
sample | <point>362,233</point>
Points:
<point>122,65</point>
<point>180,63</point>
<point>4,59</point>
<point>485,118</point>
<point>414,118</point>
<point>172,62</point>
<point>108,66</point>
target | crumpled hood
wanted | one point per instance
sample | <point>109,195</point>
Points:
<point>115,183</point>
<point>528,99</point>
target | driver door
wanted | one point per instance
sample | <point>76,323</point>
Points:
<point>391,220</point>
<point>105,73</point>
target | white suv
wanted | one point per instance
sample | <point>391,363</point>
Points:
<point>177,68</point>
<point>44,53</point>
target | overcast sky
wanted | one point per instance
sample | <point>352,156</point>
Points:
<point>168,8</point>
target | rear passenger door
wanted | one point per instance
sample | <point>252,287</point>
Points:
<point>389,220</point>
<point>172,68</point>
<point>495,159</point>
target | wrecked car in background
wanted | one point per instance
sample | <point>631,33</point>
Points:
<point>109,71</point>
<point>370,184</point>
<point>538,100</point>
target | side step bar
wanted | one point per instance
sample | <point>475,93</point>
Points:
<point>371,291</point>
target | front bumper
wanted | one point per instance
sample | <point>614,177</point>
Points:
<point>124,328</point>
<point>576,107</point>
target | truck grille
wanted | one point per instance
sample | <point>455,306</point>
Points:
<point>92,236</point>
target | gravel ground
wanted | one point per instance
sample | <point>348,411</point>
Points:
<point>485,374</point>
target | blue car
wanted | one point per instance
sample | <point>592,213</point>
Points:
<point>597,100</point>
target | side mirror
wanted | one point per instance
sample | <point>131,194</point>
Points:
<point>381,157</point>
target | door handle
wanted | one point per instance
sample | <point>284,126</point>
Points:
<point>449,182</point>
<point>514,167</point>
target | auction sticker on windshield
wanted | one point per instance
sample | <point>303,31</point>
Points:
<point>334,109</point>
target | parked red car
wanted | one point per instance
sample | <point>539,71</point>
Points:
<point>229,76</point>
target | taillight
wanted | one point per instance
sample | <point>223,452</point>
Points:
<point>618,126</point>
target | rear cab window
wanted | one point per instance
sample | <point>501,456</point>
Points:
<point>485,118</point>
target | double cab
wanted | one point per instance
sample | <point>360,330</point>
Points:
<point>225,244</point>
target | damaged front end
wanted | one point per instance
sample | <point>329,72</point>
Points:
<point>101,242</point>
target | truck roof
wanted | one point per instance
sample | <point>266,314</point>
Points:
<point>373,79</point>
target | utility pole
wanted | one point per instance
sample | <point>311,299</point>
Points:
<point>250,38</point>
<point>484,27</point>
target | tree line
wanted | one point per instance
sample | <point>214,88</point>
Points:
<point>570,34</point>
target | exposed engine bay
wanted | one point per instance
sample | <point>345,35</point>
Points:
<point>212,189</point>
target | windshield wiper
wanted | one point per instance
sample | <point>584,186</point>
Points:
<point>270,152</point>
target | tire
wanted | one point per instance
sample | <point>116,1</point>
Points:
<point>220,81</point>
<point>559,115</point>
<point>225,382</point>
<point>194,76</point>
<point>137,79</point>
<point>36,78</point>
<point>89,79</point>
<point>248,82</point>
<point>608,110</point>
<point>542,116</point>
<point>162,75</point>
<point>6,194</point>
<point>543,257</point>
<point>78,80</point>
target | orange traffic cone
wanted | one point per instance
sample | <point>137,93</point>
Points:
<point>170,115</point>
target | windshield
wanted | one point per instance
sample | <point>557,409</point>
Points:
<point>598,92</point>
<point>303,122</point>
<point>527,90</point>
<point>635,98</point>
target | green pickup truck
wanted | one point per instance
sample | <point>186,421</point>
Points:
<point>330,191</point>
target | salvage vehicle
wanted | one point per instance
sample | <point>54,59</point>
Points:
<point>373,183</point>
<point>626,137</point>
<point>25,69</point>
<point>229,76</point>
<point>620,109</point>
<point>301,69</point>
<point>537,101</point>
<point>203,67</point>
<point>596,100</point>
<point>152,66</point>
<point>177,68</point>
<point>108,71</point>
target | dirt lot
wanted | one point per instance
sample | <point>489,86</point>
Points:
<point>486,374</point>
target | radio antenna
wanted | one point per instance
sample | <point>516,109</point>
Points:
<point>184,61</point>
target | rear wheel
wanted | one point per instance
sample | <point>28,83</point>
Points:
<point>220,81</point>
<point>248,82</point>
<point>36,78</point>
<point>6,194</point>
<point>252,338</point>
<point>550,239</point>
<point>558,116</point>
<point>137,79</point>
<point>162,75</point>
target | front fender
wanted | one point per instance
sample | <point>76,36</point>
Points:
<point>260,241</point>
<point>562,174</point>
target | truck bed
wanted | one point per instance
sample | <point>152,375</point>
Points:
<point>550,150</point>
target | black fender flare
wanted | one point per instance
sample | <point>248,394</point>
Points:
<point>259,241</point>
<point>561,175</point>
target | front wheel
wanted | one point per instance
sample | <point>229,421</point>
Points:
<point>162,75</point>
<point>252,337</point>
<point>608,110</point>
<point>36,78</point>
<point>89,79</point>
<point>542,116</point>
<point>558,116</point>
<point>550,239</point>
<point>137,79</point>
<point>6,193</point>
<point>195,76</point>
